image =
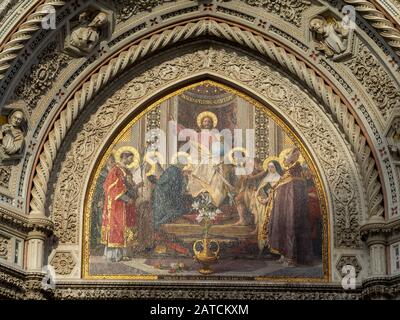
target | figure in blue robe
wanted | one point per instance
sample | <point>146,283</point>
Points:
<point>168,198</point>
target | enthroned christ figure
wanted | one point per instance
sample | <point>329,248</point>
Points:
<point>207,172</point>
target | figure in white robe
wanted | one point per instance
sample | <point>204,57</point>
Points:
<point>207,171</point>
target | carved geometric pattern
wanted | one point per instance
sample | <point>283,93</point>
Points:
<point>63,263</point>
<point>157,41</point>
<point>261,134</point>
<point>153,119</point>
<point>348,260</point>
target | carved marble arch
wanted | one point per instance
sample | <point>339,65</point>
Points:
<point>155,78</point>
<point>351,98</point>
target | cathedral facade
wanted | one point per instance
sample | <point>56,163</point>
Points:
<point>221,149</point>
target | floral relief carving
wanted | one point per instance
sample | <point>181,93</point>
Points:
<point>4,247</point>
<point>207,293</point>
<point>74,170</point>
<point>67,194</point>
<point>128,8</point>
<point>348,260</point>
<point>367,69</point>
<point>289,10</point>
<point>41,76</point>
<point>63,263</point>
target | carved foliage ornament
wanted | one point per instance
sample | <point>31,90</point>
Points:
<point>4,247</point>
<point>288,98</point>
<point>348,260</point>
<point>63,263</point>
<point>128,8</point>
<point>289,10</point>
<point>41,76</point>
<point>367,69</point>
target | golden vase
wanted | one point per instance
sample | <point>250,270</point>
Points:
<point>206,256</point>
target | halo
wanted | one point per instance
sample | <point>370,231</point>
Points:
<point>208,114</point>
<point>284,153</point>
<point>268,160</point>
<point>176,156</point>
<point>232,151</point>
<point>147,158</point>
<point>136,156</point>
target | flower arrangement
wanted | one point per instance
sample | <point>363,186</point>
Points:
<point>207,211</point>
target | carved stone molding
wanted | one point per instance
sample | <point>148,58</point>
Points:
<point>289,10</point>
<point>215,291</point>
<point>127,58</point>
<point>378,20</point>
<point>24,223</point>
<point>381,288</point>
<point>12,284</point>
<point>380,229</point>
<point>19,285</point>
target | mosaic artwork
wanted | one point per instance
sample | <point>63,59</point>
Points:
<point>206,184</point>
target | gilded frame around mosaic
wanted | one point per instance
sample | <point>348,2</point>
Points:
<point>258,106</point>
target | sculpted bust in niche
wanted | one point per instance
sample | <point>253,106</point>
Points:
<point>86,35</point>
<point>330,35</point>
<point>12,137</point>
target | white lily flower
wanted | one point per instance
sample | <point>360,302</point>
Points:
<point>196,205</point>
